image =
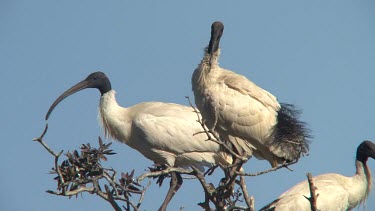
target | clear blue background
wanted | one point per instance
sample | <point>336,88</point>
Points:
<point>319,55</point>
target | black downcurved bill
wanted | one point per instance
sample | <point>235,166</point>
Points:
<point>76,88</point>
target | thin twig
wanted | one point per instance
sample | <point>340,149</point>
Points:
<point>143,194</point>
<point>44,144</point>
<point>209,192</point>
<point>191,105</point>
<point>226,190</point>
<point>236,208</point>
<point>202,180</point>
<point>165,171</point>
<point>248,199</point>
<point>72,192</point>
<point>215,139</point>
<point>313,196</point>
<point>285,165</point>
<point>58,170</point>
<point>56,155</point>
<point>209,132</point>
<point>111,200</point>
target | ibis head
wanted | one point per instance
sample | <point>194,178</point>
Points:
<point>217,29</point>
<point>365,150</point>
<point>95,80</point>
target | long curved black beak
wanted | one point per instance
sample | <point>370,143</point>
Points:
<point>76,88</point>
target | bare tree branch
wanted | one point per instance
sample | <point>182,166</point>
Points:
<point>248,199</point>
<point>75,175</point>
<point>165,171</point>
<point>285,165</point>
<point>40,140</point>
<point>313,196</point>
<point>210,192</point>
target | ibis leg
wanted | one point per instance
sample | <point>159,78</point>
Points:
<point>176,182</point>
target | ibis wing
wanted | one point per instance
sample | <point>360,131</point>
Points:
<point>168,132</point>
<point>246,87</point>
<point>243,108</point>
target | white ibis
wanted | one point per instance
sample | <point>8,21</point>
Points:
<point>336,192</point>
<point>162,132</point>
<point>231,104</point>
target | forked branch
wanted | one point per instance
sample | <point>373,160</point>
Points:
<point>81,172</point>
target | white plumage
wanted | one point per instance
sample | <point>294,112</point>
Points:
<point>336,192</point>
<point>162,132</point>
<point>233,105</point>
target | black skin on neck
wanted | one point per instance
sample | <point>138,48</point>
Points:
<point>365,150</point>
<point>100,81</point>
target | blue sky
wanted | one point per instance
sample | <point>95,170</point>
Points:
<point>318,55</point>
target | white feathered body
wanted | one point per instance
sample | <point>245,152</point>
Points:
<point>162,132</point>
<point>232,104</point>
<point>336,192</point>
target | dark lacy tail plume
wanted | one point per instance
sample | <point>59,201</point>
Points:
<point>290,136</point>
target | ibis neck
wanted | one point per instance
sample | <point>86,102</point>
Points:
<point>213,58</point>
<point>364,173</point>
<point>105,86</point>
<point>201,75</point>
<point>113,118</point>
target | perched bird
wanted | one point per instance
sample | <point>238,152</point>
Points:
<point>231,104</point>
<point>162,132</point>
<point>335,191</point>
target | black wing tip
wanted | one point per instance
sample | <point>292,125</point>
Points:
<point>290,135</point>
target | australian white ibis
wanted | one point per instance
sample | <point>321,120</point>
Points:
<point>162,132</point>
<point>336,192</point>
<point>231,104</point>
